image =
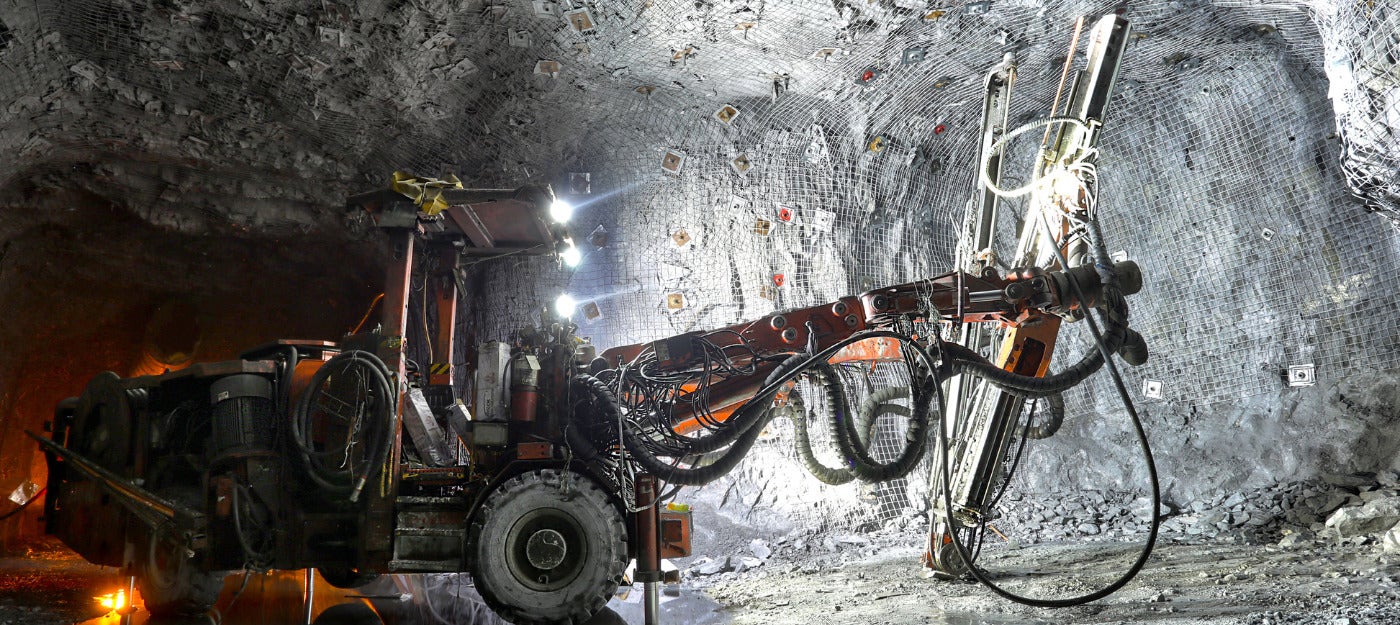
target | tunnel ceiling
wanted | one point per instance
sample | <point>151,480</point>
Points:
<point>1245,147</point>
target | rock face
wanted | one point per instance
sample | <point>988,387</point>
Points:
<point>844,166</point>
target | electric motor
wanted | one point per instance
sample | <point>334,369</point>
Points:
<point>243,419</point>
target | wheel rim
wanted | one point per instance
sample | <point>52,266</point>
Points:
<point>164,563</point>
<point>546,549</point>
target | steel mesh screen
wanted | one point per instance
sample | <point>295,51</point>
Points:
<point>847,167</point>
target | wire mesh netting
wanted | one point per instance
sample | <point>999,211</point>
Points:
<point>732,158</point>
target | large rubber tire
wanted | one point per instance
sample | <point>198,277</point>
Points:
<point>518,564</point>
<point>170,583</point>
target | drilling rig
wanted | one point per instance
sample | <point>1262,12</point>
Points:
<point>557,472</point>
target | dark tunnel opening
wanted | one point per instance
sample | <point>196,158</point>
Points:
<point>88,286</point>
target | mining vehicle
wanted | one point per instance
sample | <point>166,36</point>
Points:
<point>551,475</point>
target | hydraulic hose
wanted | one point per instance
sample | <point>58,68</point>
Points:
<point>739,423</point>
<point>1113,309</point>
<point>602,399</point>
<point>757,411</point>
<point>878,403</point>
<point>857,453</point>
<point>747,421</point>
<point>797,411</point>
<point>1055,410</point>
<point>870,410</point>
<point>379,428</point>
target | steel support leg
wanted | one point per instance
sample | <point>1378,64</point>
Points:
<point>310,595</point>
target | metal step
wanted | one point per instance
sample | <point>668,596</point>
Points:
<point>429,501</point>
<point>430,531</point>
<point>441,566</point>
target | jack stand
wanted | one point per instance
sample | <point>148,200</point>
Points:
<point>648,524</point>
<point>651,594</point>
<point>310,595</point>
<point>130,607</point>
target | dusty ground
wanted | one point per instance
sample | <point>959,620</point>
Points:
<point>1183,584</point>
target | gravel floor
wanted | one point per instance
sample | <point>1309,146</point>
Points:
<point>1183,583</point>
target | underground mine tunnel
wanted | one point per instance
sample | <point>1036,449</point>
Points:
<point>725,311</point>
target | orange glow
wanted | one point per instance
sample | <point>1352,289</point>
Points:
<point>114,601</point>
<point>150,365</point>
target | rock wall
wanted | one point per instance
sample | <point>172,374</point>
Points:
<point>733,157</point>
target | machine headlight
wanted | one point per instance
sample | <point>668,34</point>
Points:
<point>565,305</point>
<point>561,211</point>
<point>571,255</point>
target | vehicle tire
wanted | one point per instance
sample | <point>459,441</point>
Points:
<point>543,551</point>
<point>346,577</point>
<point>172,585</point>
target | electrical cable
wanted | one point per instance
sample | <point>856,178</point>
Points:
<point>1132,572</point>
<point>368,311</point>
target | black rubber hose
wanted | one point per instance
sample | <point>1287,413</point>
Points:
<point>865,425</point>
<point>1113,309</point>
<point>756,412</point>
<point>834,476</point>
<point>378,457</point>
<point>784,373</point>
<point>580,445</point>
<point>876,404</point>
<point>857,454</point>
<point>739,423</point>
<point>839,421</point>
<point>750,418</point>
<point>636,447</point>
<point>1134,349</point>
<point>380,429</point>
<point>1055,416</point>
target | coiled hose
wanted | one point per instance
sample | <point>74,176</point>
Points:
<point>797,412</point>
<point>876,404</point>
<point>378,429</point>
<point>749,419</point>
